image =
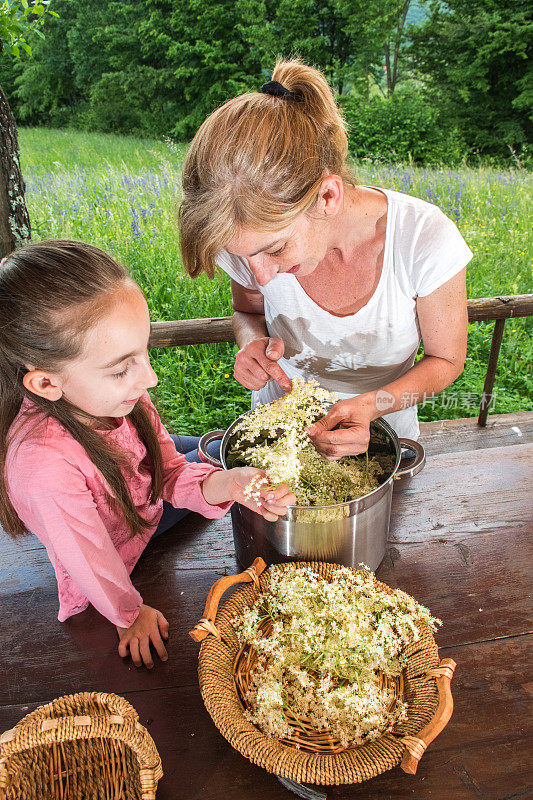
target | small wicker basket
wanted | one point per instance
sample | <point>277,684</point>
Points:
<point>86,746</point>
<point>312,756</point>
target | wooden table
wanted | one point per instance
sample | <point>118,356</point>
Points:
<point>459,542</point>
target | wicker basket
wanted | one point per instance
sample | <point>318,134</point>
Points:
<point>312,756</point>
<point>86,746</point>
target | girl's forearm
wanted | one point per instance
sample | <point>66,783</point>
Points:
<point>216,488</point>
<point>427,377</point>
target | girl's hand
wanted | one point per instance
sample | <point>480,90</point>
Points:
<point>256,364</point>
<point>353,435</point>
<point>150,626</point>
<point>271,504</point>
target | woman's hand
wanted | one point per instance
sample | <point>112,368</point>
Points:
<point>271,503</point>
<point>150,626</point>
<point>256,364</point>
<point>353,436</point>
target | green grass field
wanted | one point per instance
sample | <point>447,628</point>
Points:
<point>122,194</point>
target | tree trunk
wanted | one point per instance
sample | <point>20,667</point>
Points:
<point>14,220</point>
<point>388,68</point>
<point>397,45</point>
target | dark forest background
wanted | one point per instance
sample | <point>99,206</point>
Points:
<point>438,99</point>
<point>436,82</point>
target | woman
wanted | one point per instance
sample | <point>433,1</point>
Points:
<point>330,280</point>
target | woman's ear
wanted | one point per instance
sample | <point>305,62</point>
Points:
<point>43,384</point>
<point>330,195</point>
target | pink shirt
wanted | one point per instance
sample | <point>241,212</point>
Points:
<point>61,497</point>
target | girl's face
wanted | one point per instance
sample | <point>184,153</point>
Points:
<point>113,371</point>
<point>297,249</point>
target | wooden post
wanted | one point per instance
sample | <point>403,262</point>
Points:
<point>486,397</point>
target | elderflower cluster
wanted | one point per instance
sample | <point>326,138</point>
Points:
<point>285,420</point>
<point>273,438</point>
<point>304,404</point>
<point>327,640</point>
<point>253,489</point>
<point>280,461</point>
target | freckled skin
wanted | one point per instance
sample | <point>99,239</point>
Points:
<point>338,249</point>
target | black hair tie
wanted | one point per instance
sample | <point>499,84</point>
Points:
<point>277,90</point>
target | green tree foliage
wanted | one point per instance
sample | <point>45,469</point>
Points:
<point>212,57</point>
<point>158,67</point>
<point>19,22</point>
<point>313,30</point>
<point>17,19</point>
<point>402,127</point>
<point>46,88</point>
<point>474,54</point>
<point>125,67</point>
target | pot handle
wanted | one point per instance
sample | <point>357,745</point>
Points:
<point>207,623</point>
<point>206,439</point>
<point>415,746</point>
<point>419,462</point>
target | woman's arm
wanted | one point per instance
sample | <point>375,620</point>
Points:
<point>255,363</point>
<point>443,319</point>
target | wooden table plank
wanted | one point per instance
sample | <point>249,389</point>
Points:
<point>439,438</point>
<point>40,657</point>
<point>459,759</point>
<point>455,580</point>
<point>460,541</point>
<point>462,493</point>
<point>450,568</point>
<point>458,435</point>
<point>480,589</point>
<point>482,753</point>
<point>440,502</point>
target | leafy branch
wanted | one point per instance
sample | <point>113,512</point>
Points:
<point>17,19</point>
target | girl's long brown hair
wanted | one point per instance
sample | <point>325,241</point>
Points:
<point>51,294</point>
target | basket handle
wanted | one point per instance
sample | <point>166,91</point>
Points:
<point>207,623</point>
<point>415,746</point>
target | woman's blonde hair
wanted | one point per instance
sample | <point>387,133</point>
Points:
<point>258,162</point>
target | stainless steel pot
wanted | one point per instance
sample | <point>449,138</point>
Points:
<point>348,533</point>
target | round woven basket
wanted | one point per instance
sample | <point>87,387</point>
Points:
<point>85,746</point>
<point>312,756</point>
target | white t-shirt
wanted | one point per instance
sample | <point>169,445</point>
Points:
<point>363,351</point>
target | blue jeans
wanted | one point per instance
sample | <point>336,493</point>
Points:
<point>188,445</point>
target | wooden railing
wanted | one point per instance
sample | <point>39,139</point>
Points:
<point>483,309</point>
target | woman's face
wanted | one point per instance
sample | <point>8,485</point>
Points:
<point>298,249</point>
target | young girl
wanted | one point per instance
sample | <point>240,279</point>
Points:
<point>85,462</point>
